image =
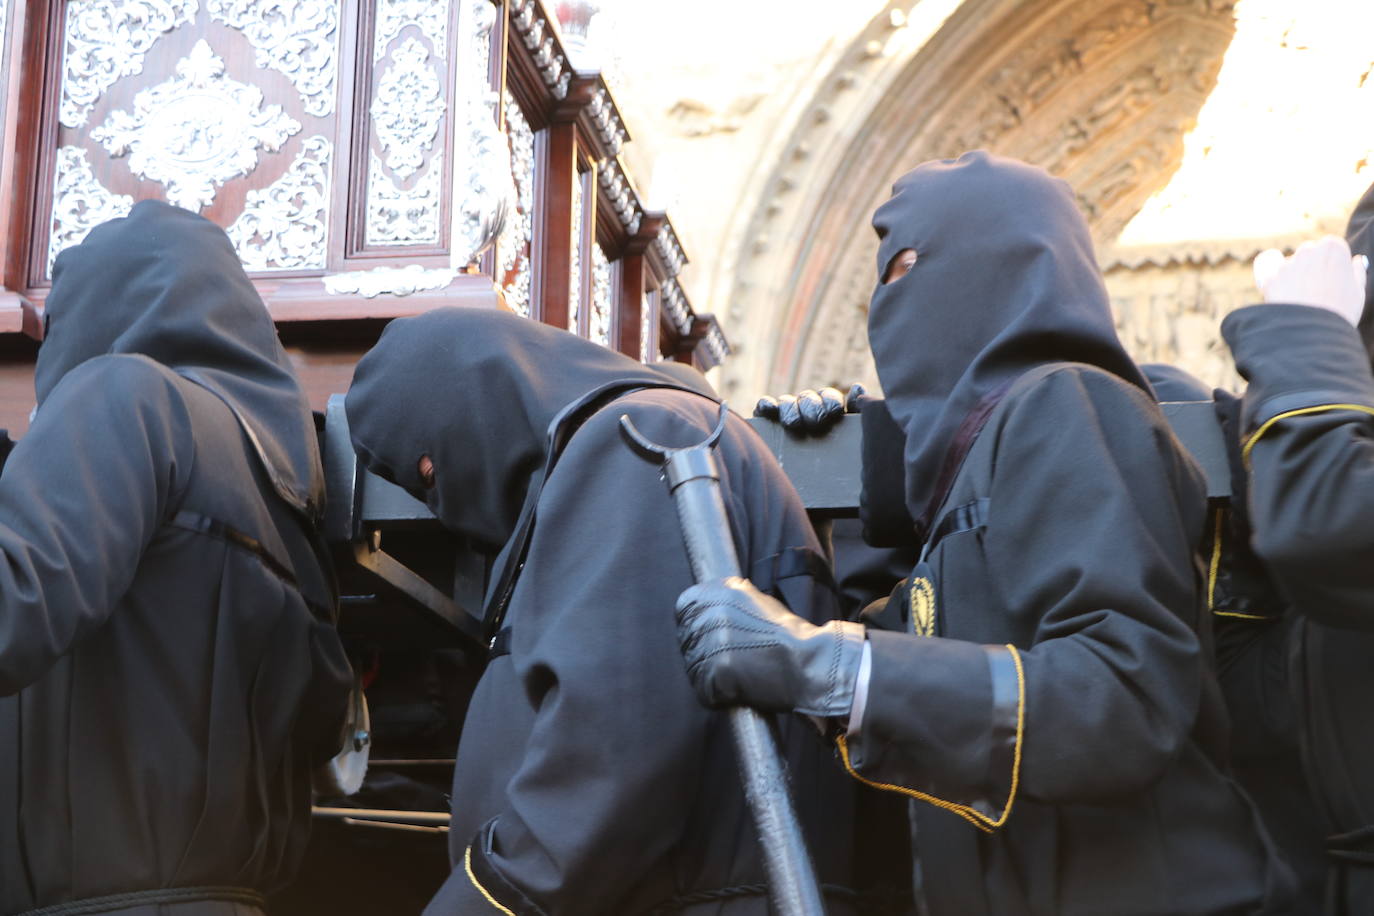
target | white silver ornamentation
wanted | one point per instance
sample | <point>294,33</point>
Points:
<point>671,250</point>
<point>675,304</point>
<point>527,18</point>
<point>603,297</point>
<point>429,16</point>
<point>388,281</point>
<point>481,166</point>
<point>79,202</point>
<point>648,325</point>
<point>284,226</point>
<point>195,131</point>
<point>607,120</point>
<point>575,256</point>
<point>621,194</point>
<point>297,38</point>
<point>400,216</point>
<point>407,108</point>
<point>107,40</point>
<point>716,344</point>
<point>516,239</point>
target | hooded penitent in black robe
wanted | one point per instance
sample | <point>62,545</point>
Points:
<point>1253,629</point>
<point>169,669</point>
<point>1050,709</point>
<point>589,777</point>
<point>1306,427</point>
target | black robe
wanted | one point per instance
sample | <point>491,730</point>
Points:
<point>1307,423</point>
<point>1253,628</point>
<point>1049,708</point>
<point>169,669</point>
<point>589,777</point>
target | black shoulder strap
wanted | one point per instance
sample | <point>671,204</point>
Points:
<point>569,420</point>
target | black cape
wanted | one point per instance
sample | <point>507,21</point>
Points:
<point>169,669</point>
<point>1305,430</point>
<point>1046,704</point>
<point>589,777</point>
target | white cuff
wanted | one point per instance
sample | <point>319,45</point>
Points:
<point>856,712</point>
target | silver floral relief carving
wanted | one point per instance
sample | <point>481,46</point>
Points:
<point>284,226</point>
<point>518,235</point>
<point>407,109</point>
<point>107,40</point>
<point>400,216</point>
<point>481,166</point>
<point>575,257</point>
<point>388,281</point>
<point>195,131</point>
<point>80,202</point>
<point>297,38</point>
<point>603,297</point>
<point>429,16</point>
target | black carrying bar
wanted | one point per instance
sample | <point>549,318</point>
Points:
<point>826,471</point>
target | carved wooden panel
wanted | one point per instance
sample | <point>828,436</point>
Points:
<point>228,108</point>
<point>408,123</point>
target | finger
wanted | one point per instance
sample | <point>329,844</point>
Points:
<point>767,408</point>
<point>788,412</point>
<point>1359,264</point>
<point>853,402</point>
<point>1267,264</point>
<point>812,409</point>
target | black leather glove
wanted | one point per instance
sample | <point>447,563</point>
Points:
<point>811,412</point>
<point>744,648</point>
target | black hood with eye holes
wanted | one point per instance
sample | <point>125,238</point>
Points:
<point>477,391</point>
<point>167,284</point>
<point>1005,280</point>
<point>1359,232</point>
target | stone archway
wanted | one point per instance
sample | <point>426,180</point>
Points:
<point>1099,93</point>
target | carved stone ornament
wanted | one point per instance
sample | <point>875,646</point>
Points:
<point>79,202</point>
<point>284,226</point>
<point>195,131</point>
<point>297,38</point>
<point>407,108</point>
<point>107,40</point>
<point>388,281</point>
<point>603,297</point>
<point>429,16</point>
<point>515,241</point>
<point>482,159</point>
<point>403,216</point>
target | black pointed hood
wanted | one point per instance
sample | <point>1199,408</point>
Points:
<point>167,284</point>
<point>1005,280</point>
<point>477,391</point>
<point>1359,232</point>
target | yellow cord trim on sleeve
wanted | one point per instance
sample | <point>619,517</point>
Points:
<point>1321,408</point>
<point>972,815</point>
<point>1239,616</point>
<point>467,866</point>
<point>1216,561</point>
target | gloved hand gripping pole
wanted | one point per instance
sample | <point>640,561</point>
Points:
<point>694,482</point>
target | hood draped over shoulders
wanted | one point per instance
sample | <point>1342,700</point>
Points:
<point>1005,280</point>
<point>167,284</point>
<point>476,391</point>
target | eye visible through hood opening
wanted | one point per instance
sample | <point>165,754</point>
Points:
<point>901,264</point>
